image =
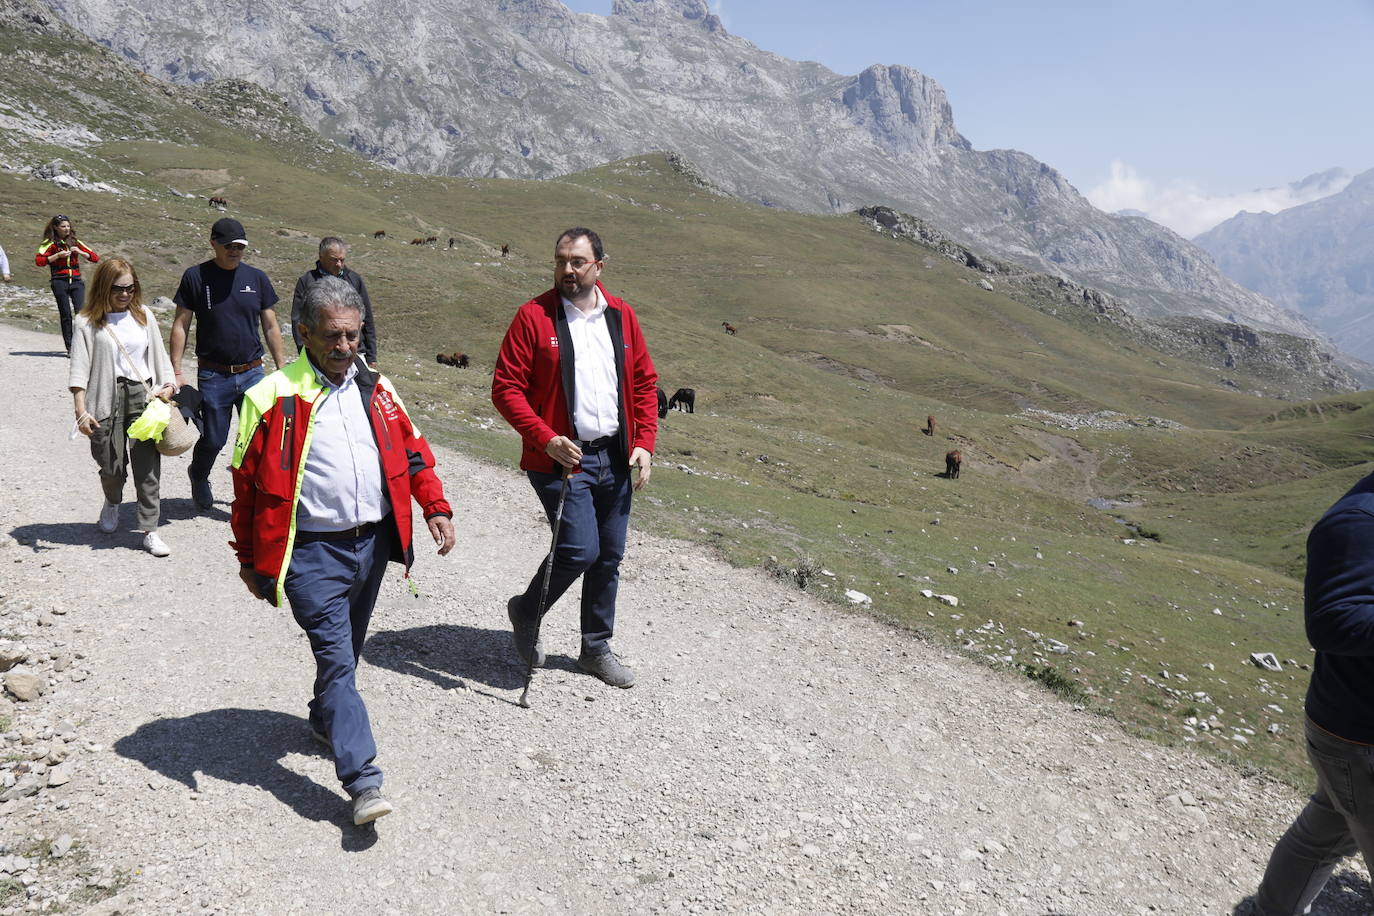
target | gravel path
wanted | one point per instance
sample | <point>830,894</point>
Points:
<point>777,756</point>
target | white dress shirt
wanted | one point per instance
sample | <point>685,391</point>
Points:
<point>597,410</point>
<point>341,483</point>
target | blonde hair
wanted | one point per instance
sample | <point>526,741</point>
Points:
<point>101,300</point>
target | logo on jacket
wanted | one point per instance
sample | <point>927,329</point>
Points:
<point>248,288</point>
<point>553,341</point>
<point>386,404</point>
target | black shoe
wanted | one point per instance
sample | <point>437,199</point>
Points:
<point>523,635</point>
<point>201,494</point>
<point>608,667</point>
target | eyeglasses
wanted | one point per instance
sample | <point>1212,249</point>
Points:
<point>123,290</point>
<point>577,264</point>
<point>235,247</point>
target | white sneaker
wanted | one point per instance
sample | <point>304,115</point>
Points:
<point>109,518</point>
<point>155,545</point>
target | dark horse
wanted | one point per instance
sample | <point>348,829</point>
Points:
<point>952,461</point>
<point>684,399</point>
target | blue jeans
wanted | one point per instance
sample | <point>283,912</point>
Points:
<point>332,587</point>
<point>219,396</point>
<point>1337,822</point>
<point>591,542</point>
<point>70,296</point>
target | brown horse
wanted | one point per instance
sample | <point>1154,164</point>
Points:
<point>930,426</point>
<point>218,201</point>
<point>417,241</point>
<point>379,234</point>
<point>505,250</point>
<point>952,461</point>
<point>729,328</point>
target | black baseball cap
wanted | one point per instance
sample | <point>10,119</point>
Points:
<point>228,231</point>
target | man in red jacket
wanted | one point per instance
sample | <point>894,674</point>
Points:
<point>574,378</point>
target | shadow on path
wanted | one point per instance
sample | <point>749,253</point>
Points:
<point>450,655</point>
<point>61,353</point>
<point>1346,894</point>
<point>38,537</point>
<point>244,746</point>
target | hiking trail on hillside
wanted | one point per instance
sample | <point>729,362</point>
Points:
<point>778,755</point>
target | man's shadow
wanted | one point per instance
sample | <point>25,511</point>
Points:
<point>244,746</point>
<point>61,353</point>
<point>450,655</point>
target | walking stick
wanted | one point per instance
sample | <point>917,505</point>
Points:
<point>544,591</point>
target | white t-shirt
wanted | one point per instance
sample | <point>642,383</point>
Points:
<point>134,336</point>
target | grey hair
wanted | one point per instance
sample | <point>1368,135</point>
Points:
<point>330,241</point>
<point>328,293</point>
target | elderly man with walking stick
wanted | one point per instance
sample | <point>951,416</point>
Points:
<point>574,378</point>
<point>325,466</point>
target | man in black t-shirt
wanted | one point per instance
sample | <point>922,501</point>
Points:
<point>229,301</point>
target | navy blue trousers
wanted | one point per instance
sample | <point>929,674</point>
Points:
<point>220,393</point>
<point>332,587</point>
<point>591,543</point>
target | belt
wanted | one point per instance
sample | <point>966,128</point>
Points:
<point>596,445</point>
<point>232,370</point>
<point>359,531</point>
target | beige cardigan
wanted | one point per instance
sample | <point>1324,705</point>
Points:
<point>94,357</point>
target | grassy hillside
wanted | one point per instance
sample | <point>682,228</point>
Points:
<point>805,447</point>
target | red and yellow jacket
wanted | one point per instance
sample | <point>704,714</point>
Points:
<point>68,268</point>
<point>533,388</point>
<point>276,420</point>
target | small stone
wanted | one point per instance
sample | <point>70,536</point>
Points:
<point>811,850</point>
<point>61,846</point>
<point>857,597</point>
<point>12,653</point>
<point>24,685</point>
<point>59,776</point>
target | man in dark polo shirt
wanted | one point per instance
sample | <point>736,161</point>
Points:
<point>1338,599</point>
<point>229,301</point>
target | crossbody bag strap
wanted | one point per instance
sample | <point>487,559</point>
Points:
<point>132,361</point>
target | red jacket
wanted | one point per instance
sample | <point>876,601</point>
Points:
<point>531,386</point>
<point>275,425</point>
<point>69,268</point>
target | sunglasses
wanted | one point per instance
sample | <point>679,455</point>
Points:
<point>121,290</point>
<point>60,218</point>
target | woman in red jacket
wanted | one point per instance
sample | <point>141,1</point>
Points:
<point>61,253</point>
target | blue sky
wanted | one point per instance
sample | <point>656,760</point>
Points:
<point>1176,108</point>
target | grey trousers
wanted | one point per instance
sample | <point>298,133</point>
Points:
<point>1337,822</point>
<point>115,453</point>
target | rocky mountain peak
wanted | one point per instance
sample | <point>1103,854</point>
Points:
<point>656,14</point>
<point>904,106</point>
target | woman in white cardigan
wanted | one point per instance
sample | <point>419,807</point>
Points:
<point>118,357</point>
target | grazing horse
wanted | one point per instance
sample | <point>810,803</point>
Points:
<point>456,360</point>
<point>662,401</point>
<point>952,461</point>
<point>218,201</point>
<point>417,241</point>
<point>729,328</point>
<point>684,399</point>
<point>379,234</point>
<point>452,242</point>
<point>505,250</point>
<point>930,426</point>
<point>432,238</point>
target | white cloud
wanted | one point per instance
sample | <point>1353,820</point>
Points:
<point>1188,209</point>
